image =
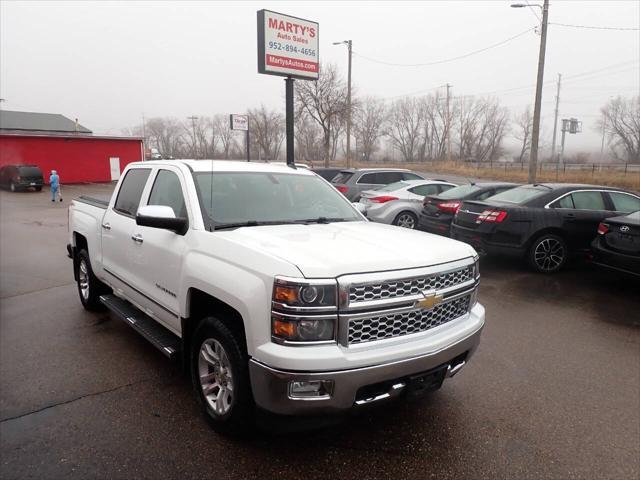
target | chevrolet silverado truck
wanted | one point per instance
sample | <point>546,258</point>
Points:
<point>273,290</point>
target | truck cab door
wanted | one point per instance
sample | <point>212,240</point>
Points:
<point>121,253</point>
<point>162,251</point>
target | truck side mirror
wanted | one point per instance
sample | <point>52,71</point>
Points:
<point>161,216</point>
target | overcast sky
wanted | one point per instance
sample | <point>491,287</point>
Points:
<point>108,62</point>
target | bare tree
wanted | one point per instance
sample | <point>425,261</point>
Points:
<point>309,138</point>
<point>166,135</point>
<point>524,125</point>
<point>368,125</point>
<point>324,100</point>
<point>267,131</point>
<point>225,135</point>
<point>621,121</point>
<point>404,127</point>
<point>435,126</point>
<point>482,127</point>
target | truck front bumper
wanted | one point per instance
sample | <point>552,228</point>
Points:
<point>360,386</point>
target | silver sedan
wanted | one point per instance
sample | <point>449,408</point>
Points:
<point>400,203</point>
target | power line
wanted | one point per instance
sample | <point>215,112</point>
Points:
<point>594,27</point>
<point>437,62</point>
<point>533,10</point>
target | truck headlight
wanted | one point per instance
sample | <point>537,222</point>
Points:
<point>303,310</point>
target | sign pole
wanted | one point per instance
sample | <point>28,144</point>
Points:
<point>289,120</point>
<point>247,141</point>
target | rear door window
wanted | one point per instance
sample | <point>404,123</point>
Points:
<point>588,201</point>
<point>342,177</point>
<point>385,178</point>
<point>623,202</point>
<point>564,202</point>
<point>371,179</point>
<point>444,188</point>
<point>130,191</point>
<point>167,191</point>
<point>411,176</point>
<point>424,190</point>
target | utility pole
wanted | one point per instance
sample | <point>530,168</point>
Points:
<point>193,119</point>
<point>555,121</point>
<point>533,160</point>
<point>448,125</point>
<point>349,107</point>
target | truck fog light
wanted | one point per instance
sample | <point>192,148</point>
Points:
<point>311,389</point>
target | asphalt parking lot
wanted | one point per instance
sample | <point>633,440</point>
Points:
<point>553,392</point>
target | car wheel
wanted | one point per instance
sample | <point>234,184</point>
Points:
<point>548,253</point>
<point>406,220</point>
<point>219,370</point>
<point>38,189</point>
<point>89,287</point>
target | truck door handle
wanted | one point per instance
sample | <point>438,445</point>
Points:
<point>106,226</point>
<point>137,238</point>
<point>570,217</point>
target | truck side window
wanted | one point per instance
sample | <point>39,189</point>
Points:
<point>167,191</point>
<point>130,191</point>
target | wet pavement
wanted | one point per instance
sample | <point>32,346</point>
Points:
<point>553,391</point>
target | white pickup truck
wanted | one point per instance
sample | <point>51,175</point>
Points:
<point>273,290</point>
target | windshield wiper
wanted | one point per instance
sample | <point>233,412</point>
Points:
<point>322,220</point>
<point>249,223</point>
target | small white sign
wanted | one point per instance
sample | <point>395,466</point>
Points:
<point>287,46</point>
<point>239,122</point>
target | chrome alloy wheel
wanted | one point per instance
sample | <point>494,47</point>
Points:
<point>216,380</point>
<point>406,221</point>
<point>83,279</point>
<point>549,254</point>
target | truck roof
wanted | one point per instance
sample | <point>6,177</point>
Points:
<point>229,166</point>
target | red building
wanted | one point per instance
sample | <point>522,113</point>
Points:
<point>54,142</point>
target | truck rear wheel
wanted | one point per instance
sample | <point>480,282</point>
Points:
<point>219,370</point>
<point>89,287</point>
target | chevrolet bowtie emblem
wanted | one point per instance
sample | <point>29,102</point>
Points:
<point>430,300</point>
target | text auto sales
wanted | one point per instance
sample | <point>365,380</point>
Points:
<point>287,28</point>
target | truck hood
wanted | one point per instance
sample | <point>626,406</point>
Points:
<point>331,250</point>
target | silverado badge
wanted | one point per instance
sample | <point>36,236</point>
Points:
<point>430,300</point>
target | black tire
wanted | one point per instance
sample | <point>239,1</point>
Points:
<point>90,298</point>
<point>38,189</point>
<point>547,253</point>
<point>239,419</point>
<point>406,219</point>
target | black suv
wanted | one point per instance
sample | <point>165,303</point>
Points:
<point>21,177</point>
<point>544,223</point>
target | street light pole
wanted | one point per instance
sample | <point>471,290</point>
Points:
<point>533,161</point>
<point>348,43</point>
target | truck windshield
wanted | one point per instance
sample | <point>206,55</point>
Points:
<point>261,198</point>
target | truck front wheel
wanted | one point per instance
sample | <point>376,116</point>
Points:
<point>89,287</point>
<point>219,370</point>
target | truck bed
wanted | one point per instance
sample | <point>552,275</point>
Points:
<point>100,202</point>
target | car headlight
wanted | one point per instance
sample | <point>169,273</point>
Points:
<point>303,311</point>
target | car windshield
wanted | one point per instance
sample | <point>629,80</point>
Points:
<point>254,198</point>
<point>458,192</point>
<point>342,177</point>
<point>519,195</point>
<point>29,171</point>
<point>392,187</point>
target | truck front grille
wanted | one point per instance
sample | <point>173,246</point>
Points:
<point>392,325</point>
<point>410,286</point>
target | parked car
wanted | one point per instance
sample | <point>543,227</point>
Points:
<point>328,173</point>
<point>617,245</point>
<point>400,203</point>
<point>351,182</point>
<point>544,223</point>
<point>274,291</point>
<point>21,177</point>
<point>438,210</point>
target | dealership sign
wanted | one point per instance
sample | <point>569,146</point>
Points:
<point>287,46</point>
<point>239,122</point>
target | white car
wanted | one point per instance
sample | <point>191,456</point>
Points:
<point>272,290</point>
<point>400,203</point>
